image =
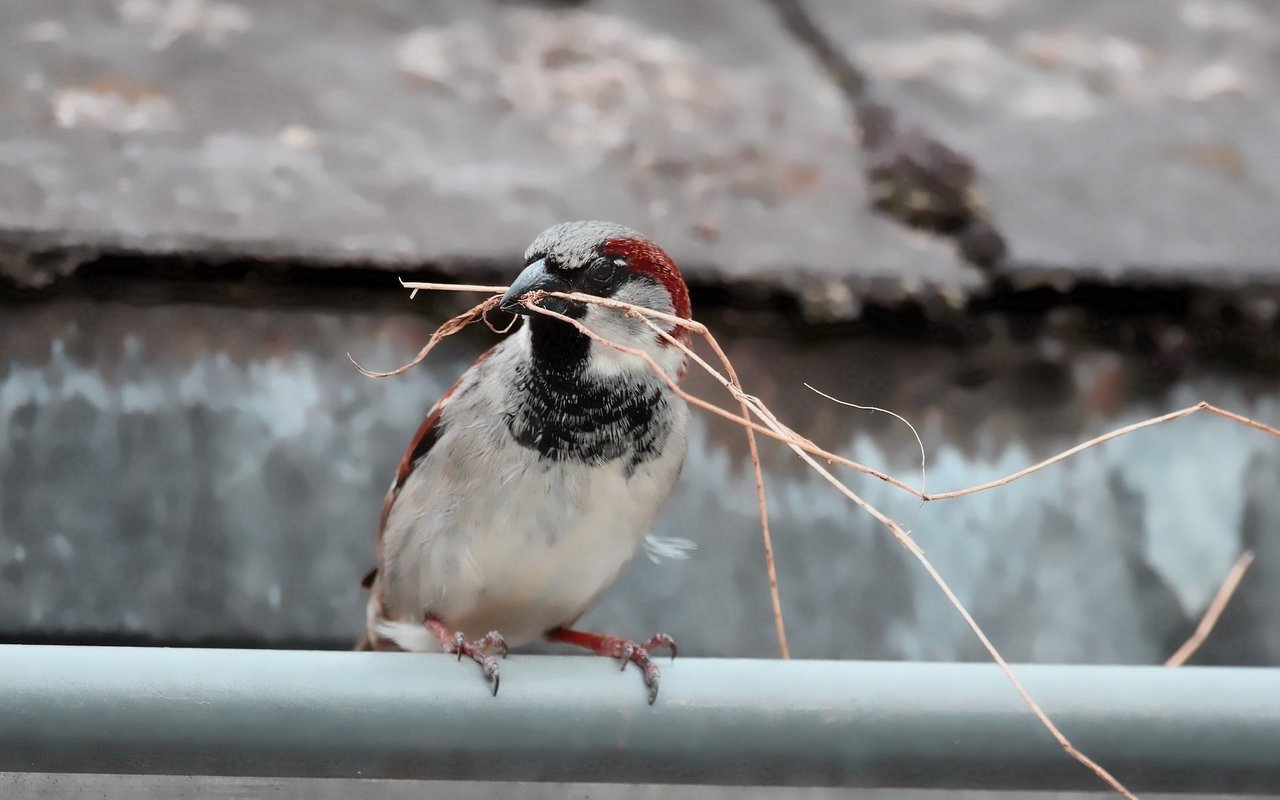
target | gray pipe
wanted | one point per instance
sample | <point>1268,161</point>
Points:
<point>579,719</point>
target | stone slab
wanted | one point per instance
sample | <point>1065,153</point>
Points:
<point>1130,141</point>
<point>399,132</point>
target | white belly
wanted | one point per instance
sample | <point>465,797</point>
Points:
<point>518,547</point>
<point>543,563</point>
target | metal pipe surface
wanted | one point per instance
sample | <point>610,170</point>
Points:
<point>579,719</point>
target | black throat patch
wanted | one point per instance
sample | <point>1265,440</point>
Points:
<point>553,407</point>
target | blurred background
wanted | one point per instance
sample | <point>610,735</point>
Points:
<point>1017,223</point>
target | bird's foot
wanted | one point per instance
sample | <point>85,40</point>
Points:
<point>625,650</point>
<point>477,650</point>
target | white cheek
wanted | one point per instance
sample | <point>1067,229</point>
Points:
<point>617,327</point>
<point>645,293</point>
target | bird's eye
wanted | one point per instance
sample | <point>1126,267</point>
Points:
<point>602,273</point>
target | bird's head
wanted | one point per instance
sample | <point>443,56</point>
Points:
<point>606,260</point>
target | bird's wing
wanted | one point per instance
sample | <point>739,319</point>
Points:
<point>424,439</point>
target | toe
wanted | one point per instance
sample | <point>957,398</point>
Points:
<point>651,680</point>
<point>661,640</point>
<point>627,653</point>
<point>490,667</point>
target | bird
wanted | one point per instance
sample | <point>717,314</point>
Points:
<point>534,479</point>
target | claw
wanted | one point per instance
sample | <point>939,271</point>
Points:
<point>477,651</point>
<point>491,672</point>
<point>649,669</point>
<point>494,639</point>
<point>628,652</point>
<point>651,680</point>
<point>661,640</point>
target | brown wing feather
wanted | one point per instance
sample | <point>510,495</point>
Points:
<point>423,440</point>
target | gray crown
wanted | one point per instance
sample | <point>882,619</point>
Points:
<point>573,245</point>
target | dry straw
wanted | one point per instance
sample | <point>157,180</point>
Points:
<point>769,426</point>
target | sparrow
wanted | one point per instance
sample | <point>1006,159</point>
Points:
<point>533,481</point>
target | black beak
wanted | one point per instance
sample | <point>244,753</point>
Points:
<point>535,278</point>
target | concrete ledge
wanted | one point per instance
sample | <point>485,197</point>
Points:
<point>727,722</point>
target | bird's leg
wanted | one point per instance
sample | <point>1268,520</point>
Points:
<point>477,651</point>
<point>624,649</point>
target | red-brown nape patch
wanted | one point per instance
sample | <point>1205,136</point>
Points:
<point>646,258</point>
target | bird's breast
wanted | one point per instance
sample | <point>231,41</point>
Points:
<point>565,418</point>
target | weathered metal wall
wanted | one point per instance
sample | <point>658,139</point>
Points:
<point>189,473</point>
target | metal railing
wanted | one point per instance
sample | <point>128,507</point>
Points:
<point>578,719</point>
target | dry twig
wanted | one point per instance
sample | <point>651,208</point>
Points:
<point>449,328</point>
<point>1214,611</point>
<point>899,417</point>
<point>1106,437</point>
<point>771,570</point>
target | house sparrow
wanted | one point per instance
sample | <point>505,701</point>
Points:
<point>534,479</point>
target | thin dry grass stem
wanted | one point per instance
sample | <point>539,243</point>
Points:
<point>416,286</point>
<point>1214,611</point>
<point>449,328</point>
<point>779,625</point>
<point>505,328</point>
<point>775,598</point>
<point>1243,420</point>
<point>1106,437</point>
<point>899,417</point>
